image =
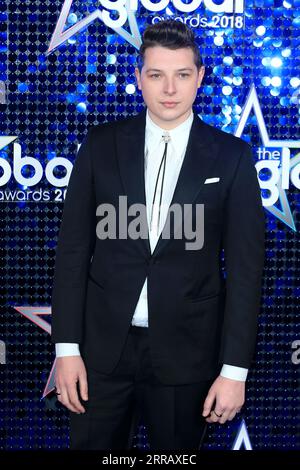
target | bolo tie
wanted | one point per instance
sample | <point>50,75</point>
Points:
<point>166,138</point>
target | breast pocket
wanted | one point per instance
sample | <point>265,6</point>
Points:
<point>208,205</point>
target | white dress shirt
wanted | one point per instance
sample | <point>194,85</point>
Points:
<point>153,151</point>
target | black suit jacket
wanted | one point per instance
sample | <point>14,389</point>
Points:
<point>198,318</point>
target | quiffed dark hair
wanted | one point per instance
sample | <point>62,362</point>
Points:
<point>172,34</point>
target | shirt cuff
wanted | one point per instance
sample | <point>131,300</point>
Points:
<point>67,349</point>
<point>234,373</point>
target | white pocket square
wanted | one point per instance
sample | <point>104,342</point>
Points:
<point>211,180</point>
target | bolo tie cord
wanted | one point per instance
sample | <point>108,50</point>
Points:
<point>166,139</point>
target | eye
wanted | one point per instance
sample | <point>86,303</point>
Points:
<point>154,75</point>
<point>184,75</point>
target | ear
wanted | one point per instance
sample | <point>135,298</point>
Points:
<point>138,77</point>
<point>201,74</point>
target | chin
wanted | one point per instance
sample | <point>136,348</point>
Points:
<point>171,114</point>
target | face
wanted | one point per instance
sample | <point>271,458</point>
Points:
<point>169,81</point>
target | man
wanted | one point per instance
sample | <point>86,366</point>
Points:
<point>144,326</point>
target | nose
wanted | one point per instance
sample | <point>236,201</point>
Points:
<point>169,86</point>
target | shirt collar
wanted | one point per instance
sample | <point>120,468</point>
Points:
<point>179,135</point>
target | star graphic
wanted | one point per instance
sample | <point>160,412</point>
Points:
<point>60,35</point>
<point>34,314</point>
<point>252,102</point>
<point>242,438</point>
<point>6,140</point>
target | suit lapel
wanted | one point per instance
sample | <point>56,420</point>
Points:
<point>200,155</point>
<point>130,143</point>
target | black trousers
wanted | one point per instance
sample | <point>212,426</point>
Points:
<point>117,402</point>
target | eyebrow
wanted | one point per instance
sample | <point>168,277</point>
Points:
<point>179,70</point>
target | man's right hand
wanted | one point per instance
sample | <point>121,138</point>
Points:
<point>69,371</point>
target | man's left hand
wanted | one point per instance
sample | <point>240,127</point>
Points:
<point>224,399</point>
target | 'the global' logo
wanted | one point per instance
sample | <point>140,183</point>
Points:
<point>119,13</point>
<point>14,168</point>
<point>277,170</point>
<point>123,6</point>
<point>20,162</point>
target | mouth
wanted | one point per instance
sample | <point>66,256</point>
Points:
<point>169,104</point>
